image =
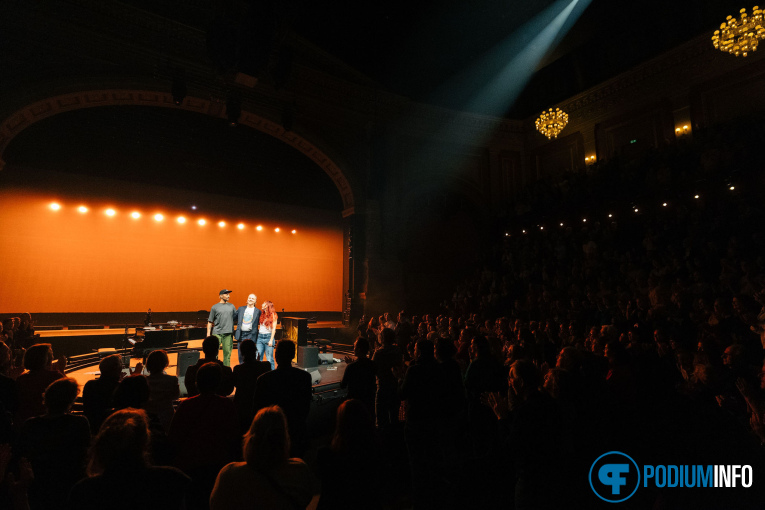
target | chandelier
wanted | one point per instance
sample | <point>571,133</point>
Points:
<point>550,123</point>
<point>740,36</point>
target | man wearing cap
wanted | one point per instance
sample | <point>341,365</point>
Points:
<point>221,324</point>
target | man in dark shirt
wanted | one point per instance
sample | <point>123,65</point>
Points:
<point>98,395</point>
<point>210,350</point>
<point>386,359</point>
<point>359,376</point>
<point>289,388</point>
<point>245,379</point>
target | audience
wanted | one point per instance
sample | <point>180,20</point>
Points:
<point>98,394</point>
<point>289,388</point>
<point>210,348</point>
<point>38,361</point>
<point>163,388</point>
<point>268,479</point>
<point>245,379</point>
<point>120,473</point>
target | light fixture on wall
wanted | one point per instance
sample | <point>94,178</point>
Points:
<point>552,122</point>
<point>739,36</point>
<point>682,130</point>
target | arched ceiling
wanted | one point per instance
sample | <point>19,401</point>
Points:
<point>174,147</point>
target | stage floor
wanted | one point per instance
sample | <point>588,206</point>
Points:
<point>131,331</point>
<point>330,374</point>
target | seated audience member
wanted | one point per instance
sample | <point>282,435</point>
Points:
<point>210,348</point>
<point>98,394</point>
<point>245,379</point>
<point>350,468</point>
<point>267,479</point>
<point>120,474</point>
<point>163,388</point>
<point>359,376</point>
<point>56,445</point>
<point>38,360</point>
<point>205,434</point>
<point>290,389</point>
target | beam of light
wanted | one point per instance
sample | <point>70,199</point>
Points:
<point>181,219</point>
<point>259,227</point>
<point>501,91</point>
<point>495,81</point>
<point>221,224</point>
<point>110,212</point>
<point>135,215</point>
<point>201,222</point>
<point>55,206</point>
<point>159,217</point>
<point>240,226</point>
<point>82,209</point>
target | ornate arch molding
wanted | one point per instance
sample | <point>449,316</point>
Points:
<point>32,113</point>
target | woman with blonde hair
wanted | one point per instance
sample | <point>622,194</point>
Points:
<point>267,332</point>
<point>268,478</point>
<point>120,453</point>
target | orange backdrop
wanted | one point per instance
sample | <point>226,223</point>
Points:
<point>66,261</point>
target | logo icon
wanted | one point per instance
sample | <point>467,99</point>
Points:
<point>614,477</point>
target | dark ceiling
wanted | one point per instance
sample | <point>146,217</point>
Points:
<point>415,48</point>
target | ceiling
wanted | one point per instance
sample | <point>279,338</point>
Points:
<point>416,48</point>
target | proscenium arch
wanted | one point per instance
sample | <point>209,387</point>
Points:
<point>45,108</point>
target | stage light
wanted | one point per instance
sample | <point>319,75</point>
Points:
<point>636,209</point>
<point>584,220</point>
<point>82,209</point>
<point>664,204</point>
<point>193,208</point>
<point>610,215</point>
<point>541,228</point>
<point>524,231</point>
<point>561,224</point>
<point>276,229</point>
<point>732,188</point>
<point>221,224</point>
<point>201,222</point>
<point>158,217</point>
<point>181,219</point>
<point>506,234</point>
<point>294,231</point>
<point>259,227</point>
<point>695,196</point>
<point>110,212</point>
<point>55,207</point>
<point>240,226</point>
<point>135,215</point>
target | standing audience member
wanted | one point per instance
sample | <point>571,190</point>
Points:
<point>38,360</point>
<point>205,434</point>
<point>120,474</point>
<point>350,468</point>
<point>245,379</point>
<point>210,351</point>
<point>56,445</point>
<point>387,359</point>
<point>8,396</point>
<point>163,388</point>
<point>290,389</point>
<point>359,376</point>
<point>98,394</point>
<point>268,479</point>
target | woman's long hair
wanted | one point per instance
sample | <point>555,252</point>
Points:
<point>122,443</point>
<point>267,443</point>
<point>267,317</point>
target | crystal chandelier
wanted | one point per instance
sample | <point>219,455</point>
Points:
<point>740,36</point>
<point>550,123</point>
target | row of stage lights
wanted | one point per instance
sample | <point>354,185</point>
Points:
<point>611,215</point>
<point>55,206</point>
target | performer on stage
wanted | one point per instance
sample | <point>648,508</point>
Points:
<point>221,323</point>
<point>266,333</point>
<point>247,317</point>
